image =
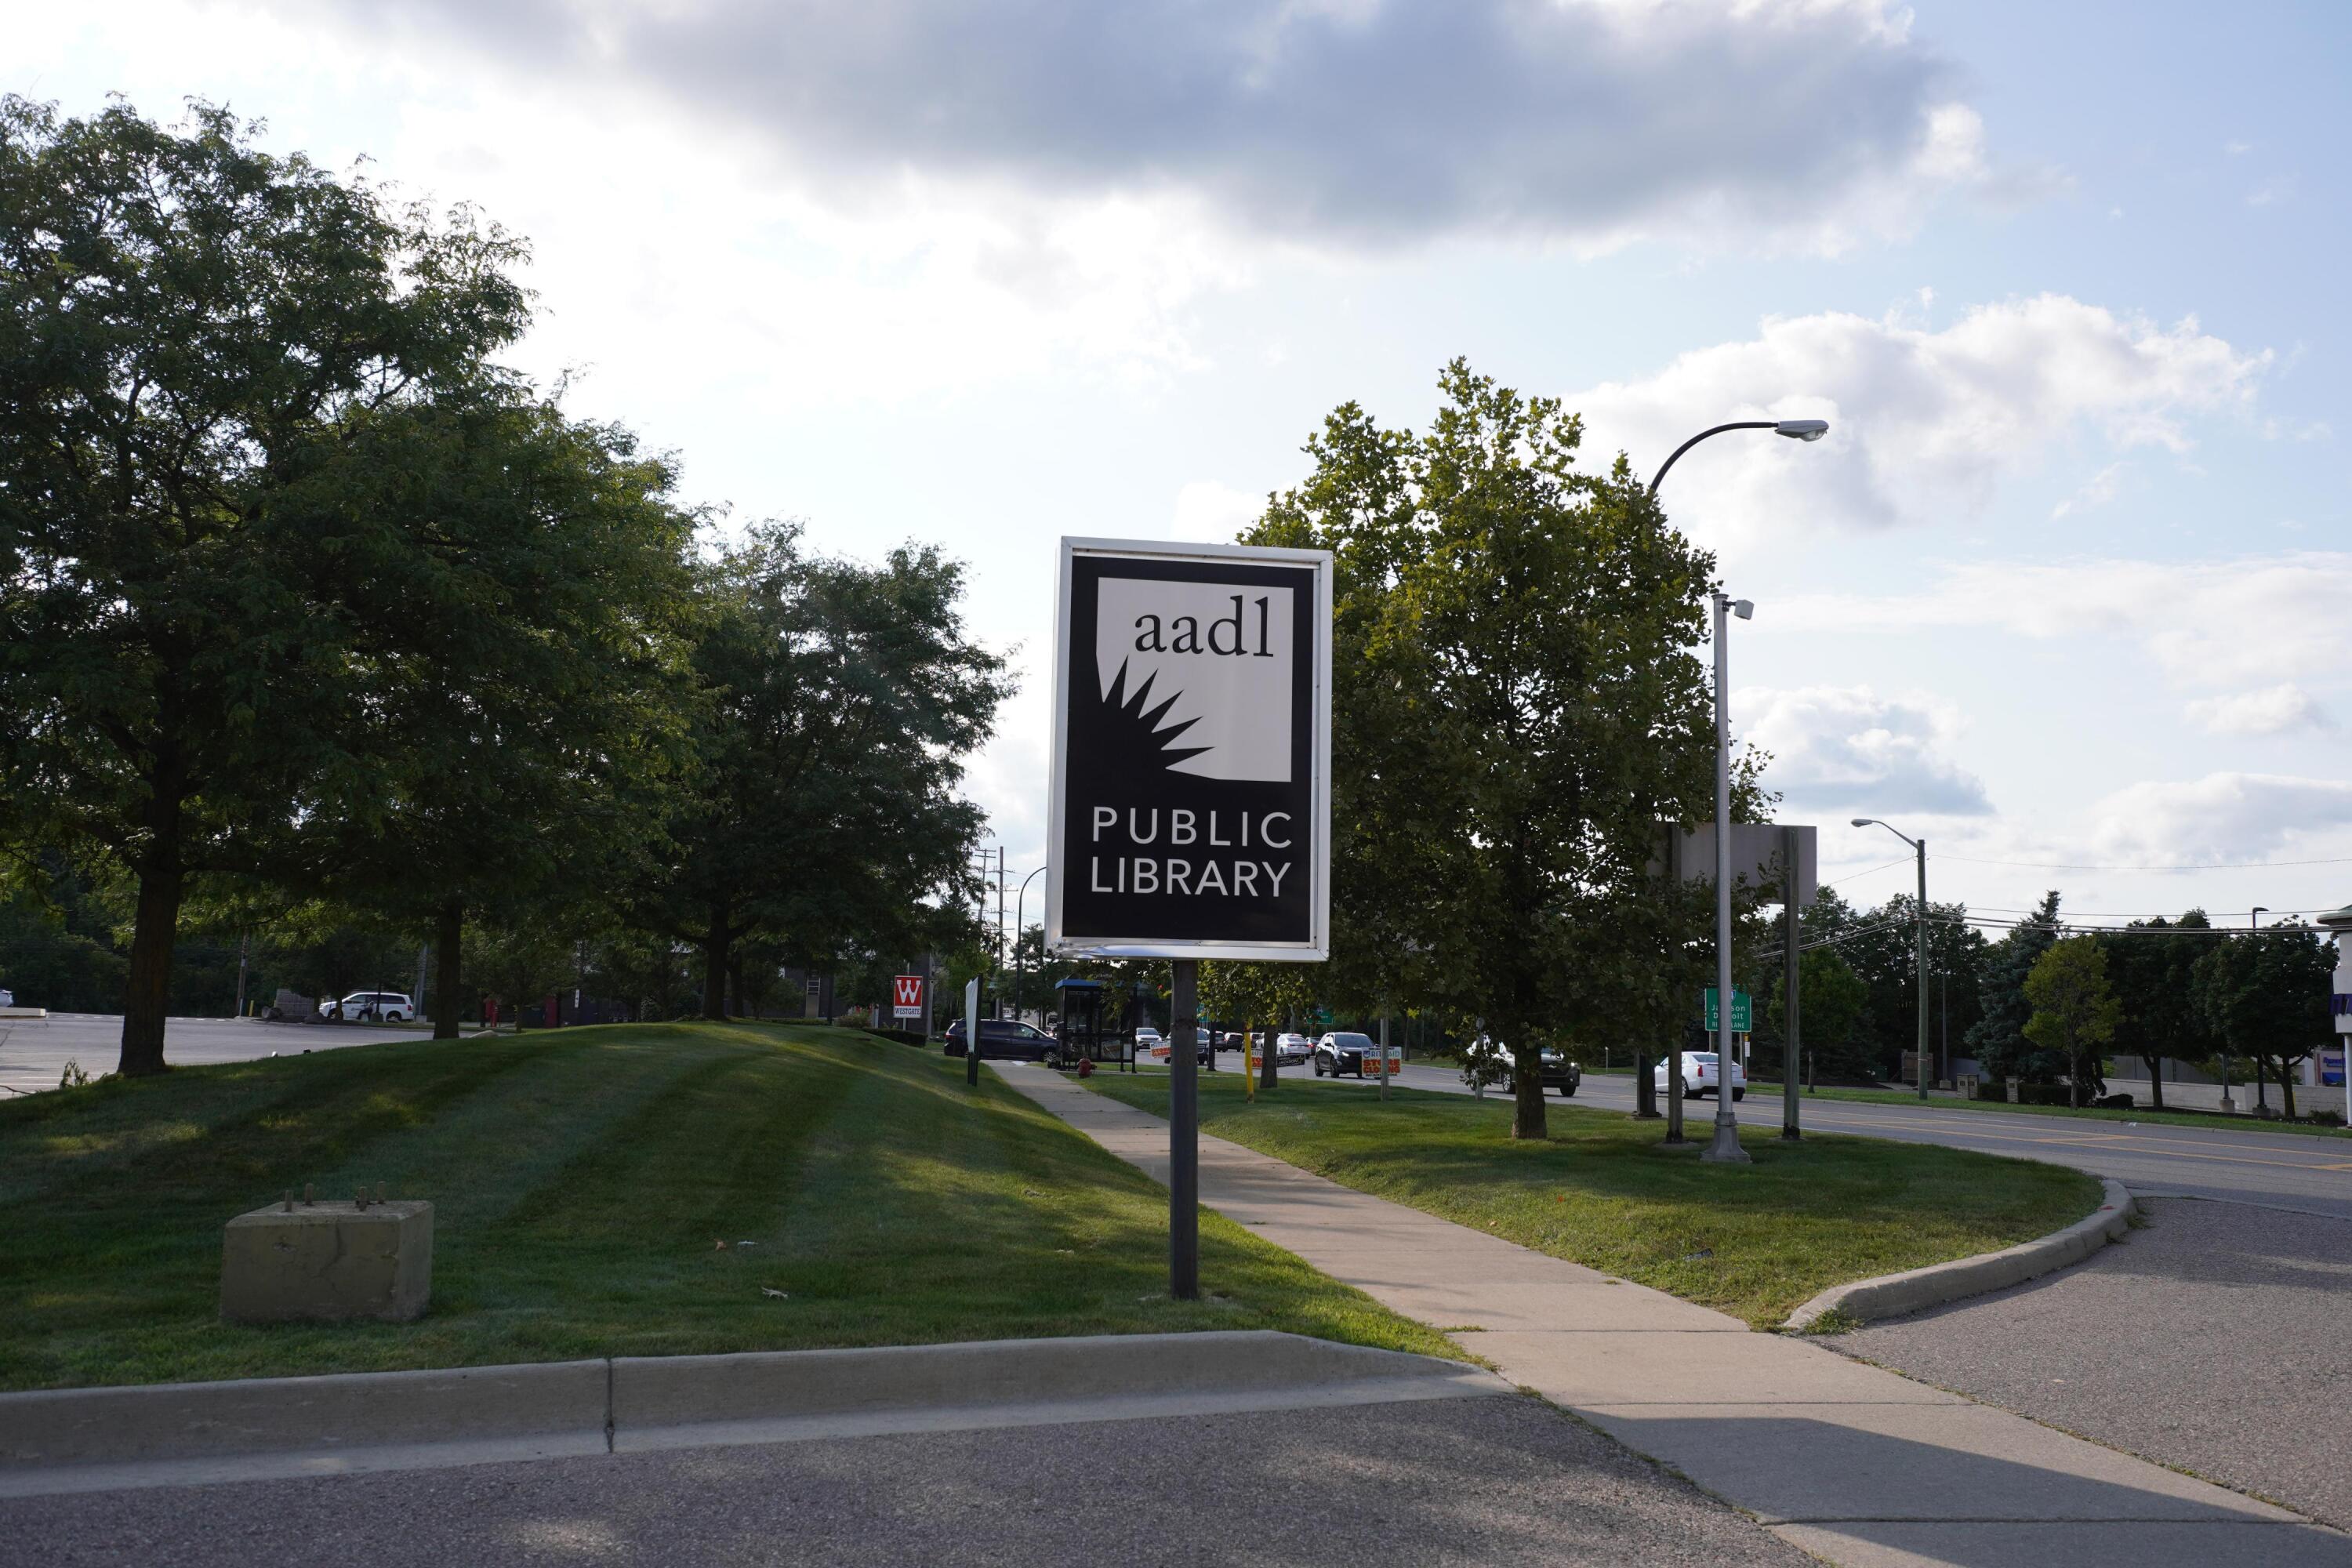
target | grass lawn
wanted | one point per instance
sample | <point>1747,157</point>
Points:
<point>2209,1121</point>
<point>1753,1241</point>
<point>583,1181</point>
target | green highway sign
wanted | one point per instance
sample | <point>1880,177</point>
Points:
<point>1743,1012</point>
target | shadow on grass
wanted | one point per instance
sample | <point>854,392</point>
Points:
<point>1602,1191</point>
<point>666,1189</point>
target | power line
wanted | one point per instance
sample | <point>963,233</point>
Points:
<point>2184,865</point>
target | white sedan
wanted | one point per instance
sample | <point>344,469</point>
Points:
<point>1702,1076</point>
<point>1292,1047</point>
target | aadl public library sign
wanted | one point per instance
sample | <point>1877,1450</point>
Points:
<point>1191,751</point>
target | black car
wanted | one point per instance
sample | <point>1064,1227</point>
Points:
<point>1005,1039</point>
<point>1560,1073</point>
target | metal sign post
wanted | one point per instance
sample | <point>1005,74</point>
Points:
<point>971,1032</point>
<point>1192,793</point>
<point>1183,1136</point>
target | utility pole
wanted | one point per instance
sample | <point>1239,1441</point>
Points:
<point>1725,1149</point>
<point>1919,845</point>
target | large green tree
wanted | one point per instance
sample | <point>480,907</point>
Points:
<point>2153,963</point>
<point>1518,703</point>
<point>2074,1009</point>
<point>526,666</point>
<point>840,702</point>
<point>1998,1039</point>
<point>188,328</point>
<point>2266,995</point>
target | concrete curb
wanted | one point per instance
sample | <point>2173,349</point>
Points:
<point>1915,1290</point>
<point>86,1439</point>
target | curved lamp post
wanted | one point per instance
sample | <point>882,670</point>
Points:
<point>1020,957</point>
<point>1725,1146</point>
<point>1921,846</point>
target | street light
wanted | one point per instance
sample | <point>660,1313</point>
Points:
<point>1795,429</point>
<point>1020,953</point>
<point>1921,846</point>
<point>1725,1147</point>
<point>2262,1099</point>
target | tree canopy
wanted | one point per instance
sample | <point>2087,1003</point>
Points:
<point>1519,702</point>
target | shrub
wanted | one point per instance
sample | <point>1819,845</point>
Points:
<point>2045,1094</point>
<point>1992,1089</point>
<point>2327,1118</point>
<point>2114,1102</point>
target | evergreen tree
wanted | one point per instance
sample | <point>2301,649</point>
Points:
<point>1999,1039</point>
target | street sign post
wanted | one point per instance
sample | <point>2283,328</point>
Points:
<point>1192,791</point>
<point>907,996</point>
<point>1743,1012</point>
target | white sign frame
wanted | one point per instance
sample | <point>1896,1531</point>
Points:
<point>1317,948</point>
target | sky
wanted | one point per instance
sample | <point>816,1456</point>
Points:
<point>2065,591</point>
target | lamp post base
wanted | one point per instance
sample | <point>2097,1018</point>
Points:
<point>1726,1149</point>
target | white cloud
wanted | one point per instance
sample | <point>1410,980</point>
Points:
<point>2211,624</point>
<point>1212,513</point>
<point>2220,818</point>
<point>1923,425</point>
<point>1846,748</point>
<point>2096,491</point>
<point>2272,191</point>
<point>1591,121</point>
<point>2272,710</point>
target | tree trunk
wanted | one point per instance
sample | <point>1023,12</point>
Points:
<point>162,881</point>
<point>714,967</point>
<point>2155,1082</point>
<point>1526,1091</point>
<point>1269,1065</point>
<point>2286,1092</point>
<point>449,951</point>
<point>735,1007</point>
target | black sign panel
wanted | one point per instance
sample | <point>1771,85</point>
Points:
<point>1191,799</point>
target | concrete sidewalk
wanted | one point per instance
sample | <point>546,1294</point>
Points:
<point>1854,1464</point>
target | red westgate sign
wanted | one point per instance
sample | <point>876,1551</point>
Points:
<point>907,996</point>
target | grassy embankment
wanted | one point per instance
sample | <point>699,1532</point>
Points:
<point>583,1181</point>
<point>2210,1120</point>
<point>1753,1241</point>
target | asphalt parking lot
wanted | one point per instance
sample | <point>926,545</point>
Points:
<point>1502,1480</point>
<point>33,1056</point>
<point>2216,1338</point>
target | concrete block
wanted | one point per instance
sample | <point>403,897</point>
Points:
<point>328,1260</point>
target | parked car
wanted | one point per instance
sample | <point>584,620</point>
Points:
<point>1010,1040</point>
<point>1559,1072</point>
<point>1702,1076</point>
<point>1292,1047</point>
<point>7,997</point>
<point>373,1006</point>
<point>1148,1041</point>
<point>1344,1052</point>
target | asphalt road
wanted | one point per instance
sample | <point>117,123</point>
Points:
<point>1502,1480</point>
<point>33,1056</point>
<point>2217,1339</point>
<point>2284,1169</point>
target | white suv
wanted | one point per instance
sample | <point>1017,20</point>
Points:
<point>1701,1076</point>
<point>379,1006</point>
